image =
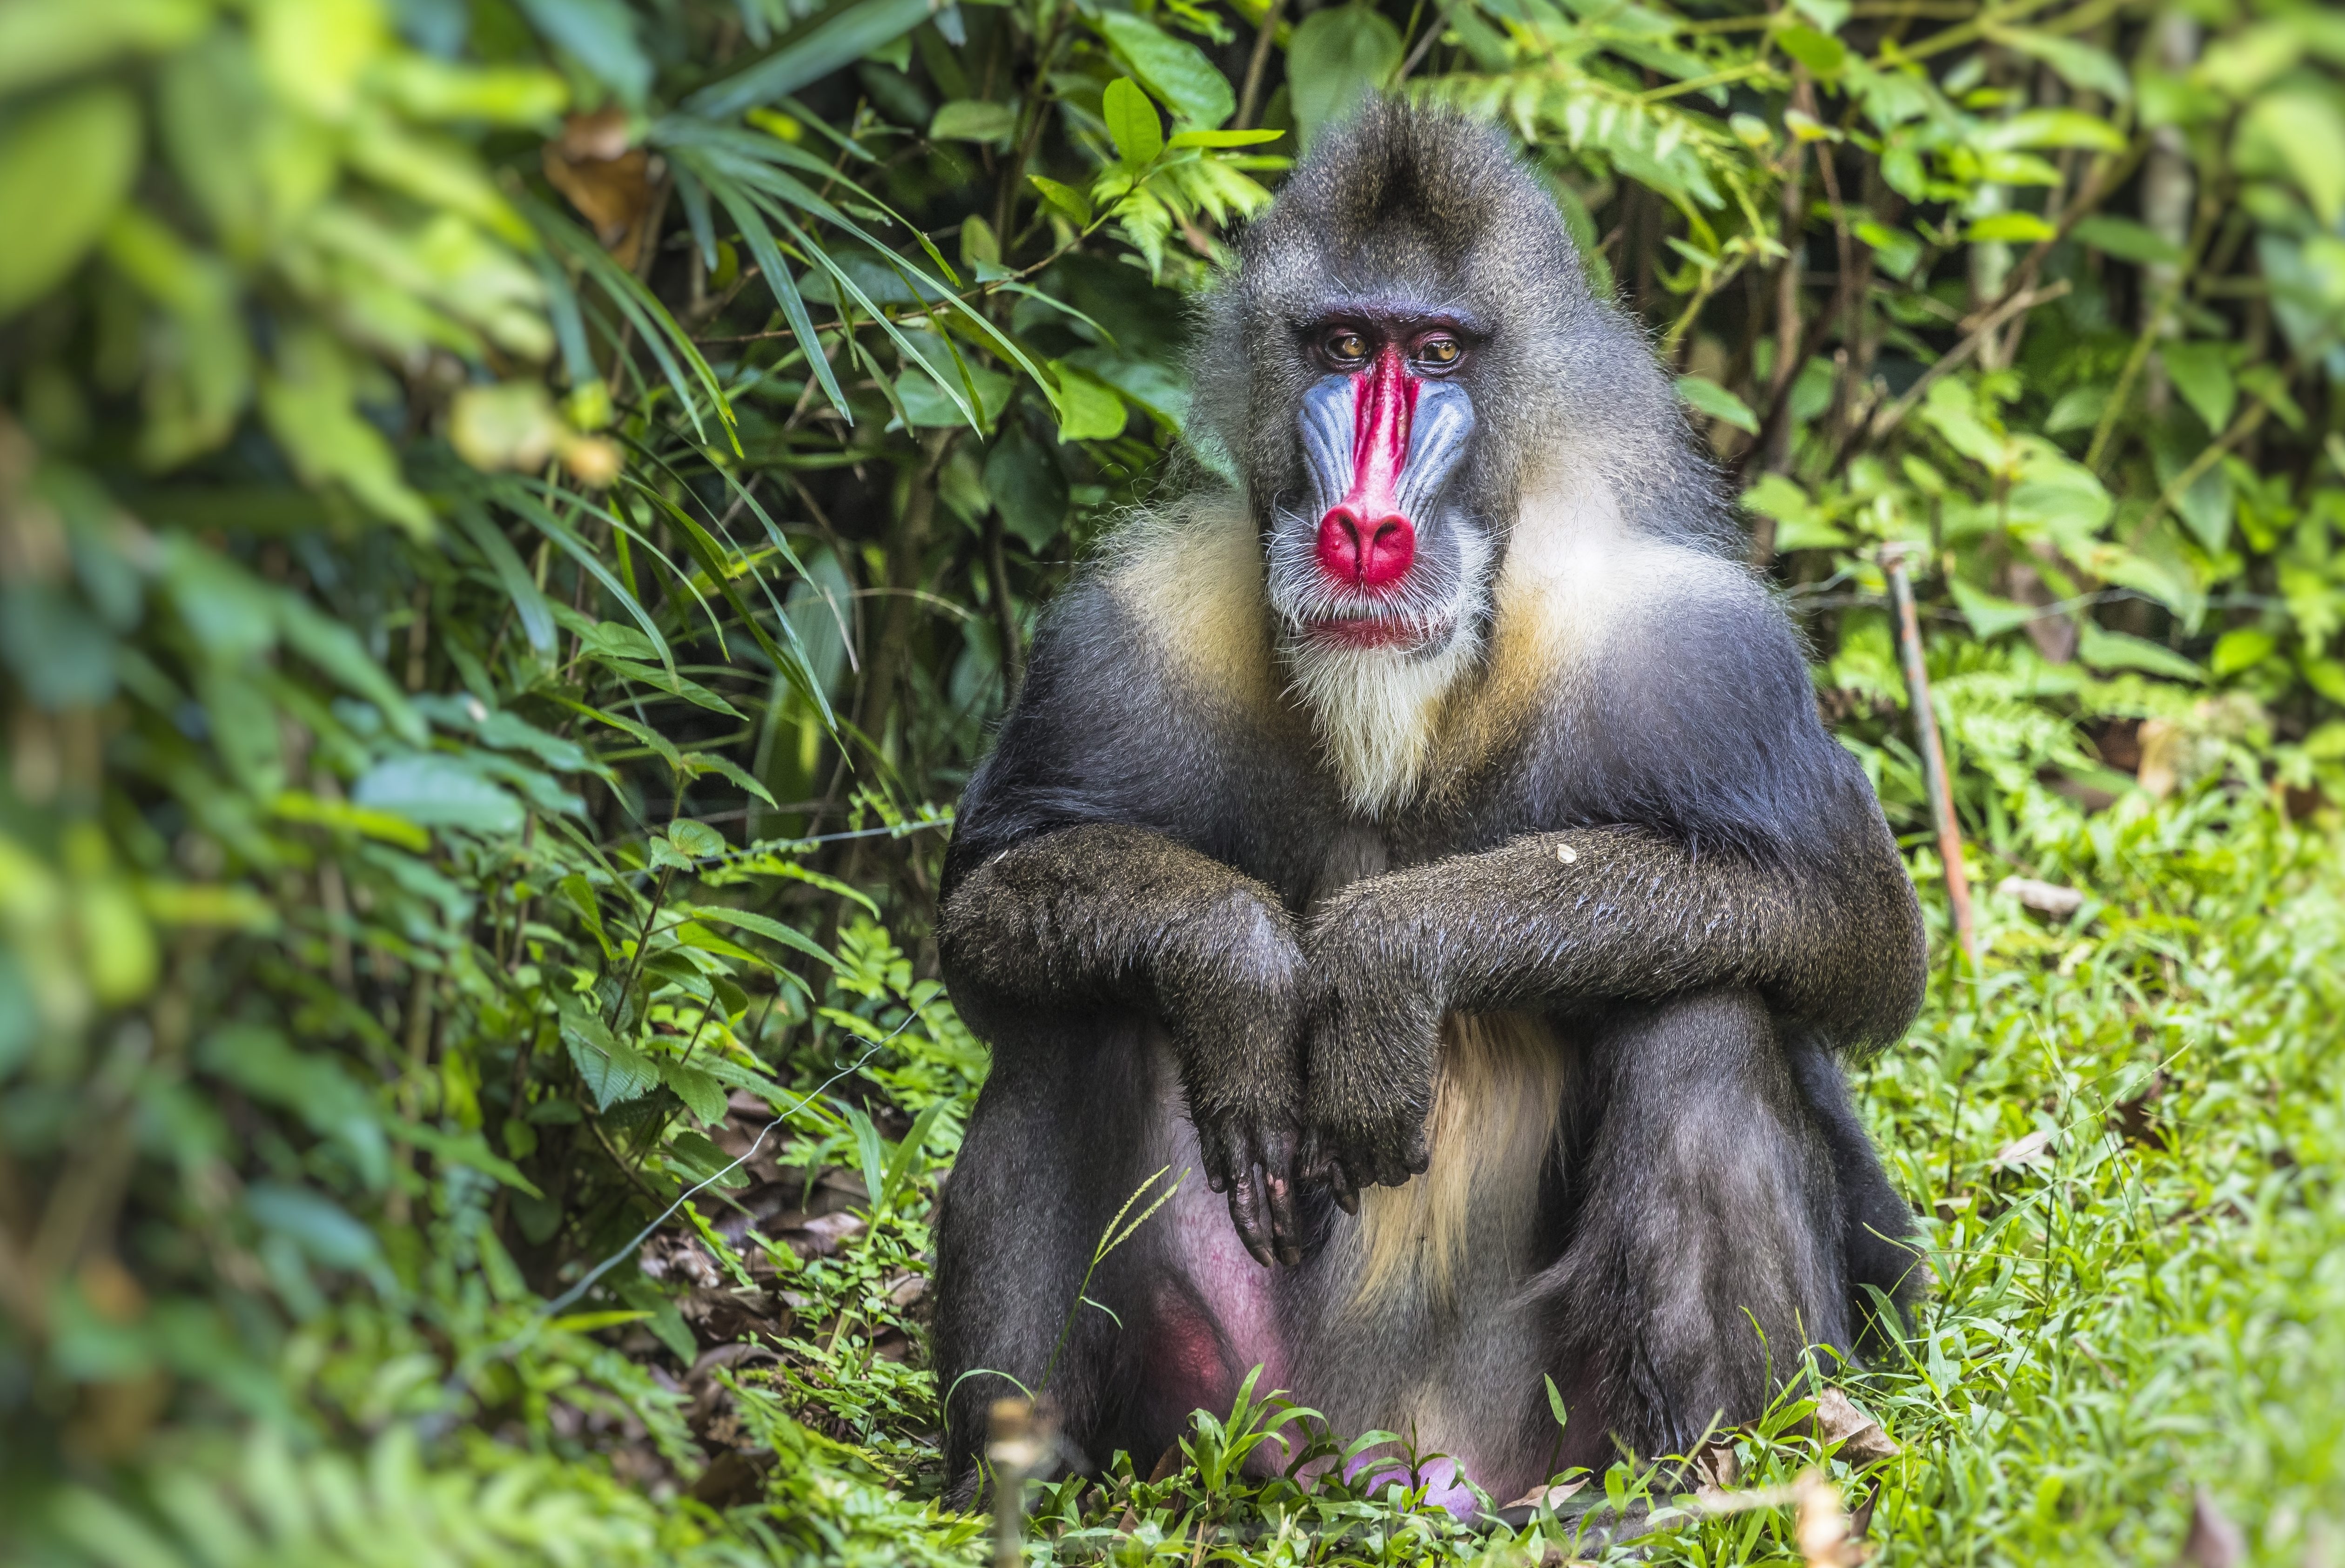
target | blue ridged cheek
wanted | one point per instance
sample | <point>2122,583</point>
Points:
<point>1437,434</point>
<point>1329,428</point>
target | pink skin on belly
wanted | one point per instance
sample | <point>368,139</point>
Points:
<point>1195,1362</point>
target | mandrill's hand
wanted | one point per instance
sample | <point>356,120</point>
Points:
<point>1234,1003</point>
<point>1371,1029</point>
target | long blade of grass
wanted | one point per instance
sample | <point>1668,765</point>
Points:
<point>620,523</point>
<point>794,668</point>
<point>543,519</point>
<point>778,277</point>
<point>529,603</point>
<point>667,342</point>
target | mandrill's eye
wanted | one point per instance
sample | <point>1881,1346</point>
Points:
<point>1346,348</point>
<point>1437,354</point>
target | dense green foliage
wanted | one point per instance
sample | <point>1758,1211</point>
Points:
<point>515,516</point>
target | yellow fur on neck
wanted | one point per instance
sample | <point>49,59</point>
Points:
<point>1494,1109</point>
<point>1193,575</point>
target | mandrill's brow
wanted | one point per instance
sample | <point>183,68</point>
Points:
<point>1395,318</point>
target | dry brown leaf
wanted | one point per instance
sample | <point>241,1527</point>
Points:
<point>610,183</point>
<point>2025,1150</point>
<point>2044,897</point>
<point>2214,1542</point>
<point>2133,1118</point>
<point>1860,1439</point>
<point>1826,1539</point>
<point>2163,743</point>
<point>1717,1463</point>
<point>1548,1496</point>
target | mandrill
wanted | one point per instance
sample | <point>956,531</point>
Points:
<point>1432,843</point>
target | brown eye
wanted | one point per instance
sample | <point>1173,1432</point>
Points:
<point>1438,350</point>
<point>1348,348</point>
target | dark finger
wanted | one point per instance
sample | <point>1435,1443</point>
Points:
<point>1246,1213</point>
<point>1346,1190</point>
<point>1213,1154</point>
<point>1285,1234</point>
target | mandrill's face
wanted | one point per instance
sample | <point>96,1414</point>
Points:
<point>1370,551</point>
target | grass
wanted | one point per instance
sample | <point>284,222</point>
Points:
<point>2125,1140</point>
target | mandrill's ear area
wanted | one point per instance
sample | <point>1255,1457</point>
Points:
<point>1413,205</point>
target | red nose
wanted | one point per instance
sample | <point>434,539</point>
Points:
<point>1370,555</point>
<point>1364,539</point>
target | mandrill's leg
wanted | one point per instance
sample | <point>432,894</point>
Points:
<point>1877,1246</point>
<point>1705,1251</point>
<point>1050,1151</point>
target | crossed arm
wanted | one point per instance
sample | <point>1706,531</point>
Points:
<point>1592,915</point>
<point>1309,1055</point>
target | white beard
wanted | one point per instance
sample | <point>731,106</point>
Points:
<point>1378,711</point>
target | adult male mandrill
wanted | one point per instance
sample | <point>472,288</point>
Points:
<point>1433,843</point>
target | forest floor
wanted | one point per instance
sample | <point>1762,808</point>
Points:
<point>2124,1141</point>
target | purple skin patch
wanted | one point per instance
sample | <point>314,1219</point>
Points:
<point>1442,1478</point>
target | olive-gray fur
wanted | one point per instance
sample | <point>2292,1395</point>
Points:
<point>1184,946</point>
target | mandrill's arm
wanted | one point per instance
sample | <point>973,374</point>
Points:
<point>1106,915</point>
<point>1596,915</point>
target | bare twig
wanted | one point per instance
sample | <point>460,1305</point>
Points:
<point>1257,63</point>
<point>1934,756</point>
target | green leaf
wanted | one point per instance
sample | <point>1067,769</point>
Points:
<point>65,166</point>
<point>612,1070</point>
<point>869,1153</point>
<point>601,36</point>
<point>294,806</point>
<point>2023,227</point>
<point>2105,649</point>
<point>697,840</point>
<point>701,1094</point>
<point>1707,396</point>
<point>839,40</point>
<point>973,119</point>
<point>467,1148</point>
<point>42,42</point>
<point>2079,64</point>
<point>2127,240</point>
<point>2051,127</point>
<point>1088,409</point>
<point>703,762</point>
<point>767,927</point>
<point>1223,138</point>
<point>2201,372</point>
<point>318,1225</point>
<point>1989,616</point>
<point>1066,197</point>
<point>307,401</point>
<point>899,1165</point>
<point>1131,122</point>
<point>1339,55</point>
<point>2079,408</point>
<point>704,1162</point>
<point>2327,677</point>
<point>2304,130</point>
<point>1175,70</point>
<point>1821,53</point>
<point>432,790</point>
<point>2242,648</point>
